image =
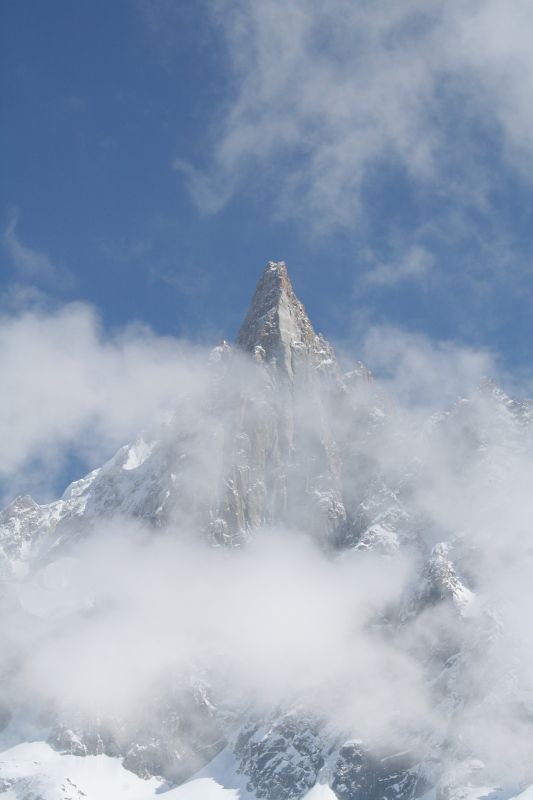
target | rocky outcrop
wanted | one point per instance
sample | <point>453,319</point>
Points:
<point>360,774</point>
<point>281,462</point>
<point>282,760</point>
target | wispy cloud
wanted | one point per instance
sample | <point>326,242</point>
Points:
<point>31,265</point>
<point>190,282</point>
<point>423,373</point>
<point>415,265</point>
<point>322,94</point>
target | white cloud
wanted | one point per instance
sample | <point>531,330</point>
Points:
<point>422,373</point>
<point>69,386</point>
<point>324,92</point>
<point>275,645</point>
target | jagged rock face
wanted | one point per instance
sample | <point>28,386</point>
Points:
<point>282,759</point>
<point>359,774</point>
<point>285,756</point>
<point>277,328</point>
<point>281,458</point>
<point>280,465</point>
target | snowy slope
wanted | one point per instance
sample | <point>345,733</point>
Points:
<point>34,769</point>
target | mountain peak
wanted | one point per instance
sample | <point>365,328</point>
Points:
<point>272,286</point>
<point>276,325</point>
<point>276,268</point>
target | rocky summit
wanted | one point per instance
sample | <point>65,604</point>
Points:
<point>281,443</point>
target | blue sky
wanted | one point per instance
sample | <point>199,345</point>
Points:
<point>157,154</point>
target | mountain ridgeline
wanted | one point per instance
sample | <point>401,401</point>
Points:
<point>281,445</point>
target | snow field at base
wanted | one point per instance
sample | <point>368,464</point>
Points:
<point>34,769</point>
<point>320,792</point>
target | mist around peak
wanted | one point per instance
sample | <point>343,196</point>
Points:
<point>311,544</point>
